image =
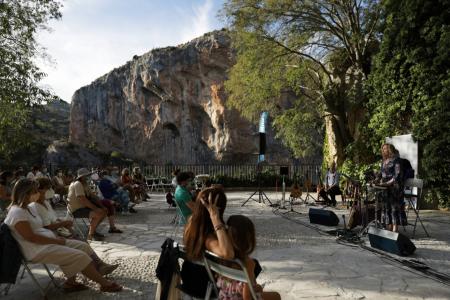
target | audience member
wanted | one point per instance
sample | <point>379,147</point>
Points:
<point>183,197</point>
<point>242,235</point>
<point>81,203</point>
<point>140,184</point>
<point>18,174</point>
<point>126,182</point>
<point>58,183</point>
<point>113,192</point>
<point>68,178</point>
<point>206,229</point>
<point>174,179</point>
<point>40,245</point>
<point>35,173</point>
<point>46,212</point>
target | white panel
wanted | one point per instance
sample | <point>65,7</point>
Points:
<point>407,148</point>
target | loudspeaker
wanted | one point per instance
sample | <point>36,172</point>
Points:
<point>262,143</point>
<point>323,217</point>
<point>393,242</point>
<point>284,170</point>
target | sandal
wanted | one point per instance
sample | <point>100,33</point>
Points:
<point>74,287</point>
<point>112,288</point>
<point>115,230</point>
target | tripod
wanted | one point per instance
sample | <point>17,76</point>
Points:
<point>261,195</point>
<point>308,193</point>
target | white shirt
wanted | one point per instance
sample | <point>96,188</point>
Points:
<point>17,214</point>
<point>48,215</point>
<point>31,175</point>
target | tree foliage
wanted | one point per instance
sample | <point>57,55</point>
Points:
<point>304,61</point>
<point>19,75</point>
<point>410,87</point>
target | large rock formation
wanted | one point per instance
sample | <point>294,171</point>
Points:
<point>168,106</point>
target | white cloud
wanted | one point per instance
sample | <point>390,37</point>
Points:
<point>87,42</point>
<point>201,21</point>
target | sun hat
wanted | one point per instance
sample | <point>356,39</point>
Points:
<point>83,172</point>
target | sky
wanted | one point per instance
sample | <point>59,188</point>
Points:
<point>95,36</point>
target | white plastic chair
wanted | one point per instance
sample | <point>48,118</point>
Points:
<point>230,268</point>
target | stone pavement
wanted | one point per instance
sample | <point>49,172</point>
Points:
<point>298,260</point>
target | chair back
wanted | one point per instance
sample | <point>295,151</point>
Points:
<point>414,182</point>
<point>181,218</point>
<point>211,282</point>
<point>233,269</point>
<point>413,188</point>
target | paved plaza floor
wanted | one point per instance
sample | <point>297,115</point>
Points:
<point>299,260</point>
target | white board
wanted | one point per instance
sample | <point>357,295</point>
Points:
<point>407,148</point>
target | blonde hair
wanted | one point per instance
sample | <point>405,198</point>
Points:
<point>125,170</point>
<point>22,190</point>
<point>391,150</point>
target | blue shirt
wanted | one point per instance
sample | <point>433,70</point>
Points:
<point>108,189</point>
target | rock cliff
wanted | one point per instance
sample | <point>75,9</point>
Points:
<point>168,106</point>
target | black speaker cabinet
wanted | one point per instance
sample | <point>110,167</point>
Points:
<point>262,143</point>
<point>284,170</point>
<point>393,242</point>
<point>323,217</point>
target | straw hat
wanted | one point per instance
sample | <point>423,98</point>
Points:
<point>83,172</point>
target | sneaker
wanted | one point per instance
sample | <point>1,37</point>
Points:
<point>106,269</point>
<point>132,210</point>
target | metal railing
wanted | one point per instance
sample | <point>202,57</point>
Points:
<point>243,172</point>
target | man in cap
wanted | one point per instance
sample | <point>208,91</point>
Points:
<point>84,204</point>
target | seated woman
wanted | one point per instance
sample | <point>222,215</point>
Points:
<point>58,183</point>
<point>41,245</point>
<point>139,185</point>
<point>127,184</point>
<point>206,229</point>
<point>242,234</point>
<point>45,211</point>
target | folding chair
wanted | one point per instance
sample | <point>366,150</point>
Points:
<point>26,266</point>
<point>179,220</point>
<point>413,190</point>
<point>211,283</point>
<point>79,228</point>
<point>233,269</point>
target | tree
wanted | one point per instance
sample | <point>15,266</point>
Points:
<point>306,62</point>
<point>410,85</point>
<point>19,75</point>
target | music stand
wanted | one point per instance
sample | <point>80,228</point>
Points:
<point>261,195</point>
<point>365,218</point>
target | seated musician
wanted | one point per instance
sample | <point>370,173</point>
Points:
<point>331,189</point>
